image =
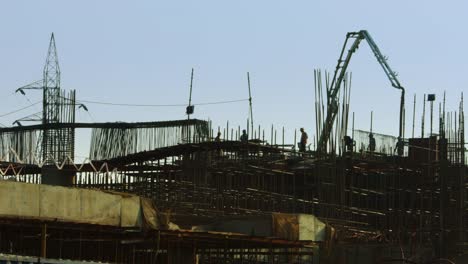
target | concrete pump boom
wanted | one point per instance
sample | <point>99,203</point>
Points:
<point>338,76</point>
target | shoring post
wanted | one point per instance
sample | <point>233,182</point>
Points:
<point>44,240</point>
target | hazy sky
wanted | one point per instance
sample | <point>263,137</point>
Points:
<point>143,51</point>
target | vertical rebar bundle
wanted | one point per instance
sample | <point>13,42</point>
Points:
<point>335,144</point>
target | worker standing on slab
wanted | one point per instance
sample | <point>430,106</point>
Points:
<point>349,143</point>
<point>218,137</point>
<point>371,142</point>
<point>399,147</point>
<point>303,141</point>
<point>244,138</point>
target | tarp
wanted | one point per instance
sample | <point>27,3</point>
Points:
<point>45,202</point>
<point>285,226</point>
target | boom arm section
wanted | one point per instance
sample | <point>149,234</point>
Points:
<point>338,77</point>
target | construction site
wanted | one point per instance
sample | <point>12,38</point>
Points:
<point>190,191</point>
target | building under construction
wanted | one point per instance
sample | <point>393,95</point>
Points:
<point>169,192</point>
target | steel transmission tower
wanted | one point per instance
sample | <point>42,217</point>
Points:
<point>58,107</point>
<point>51,86</point>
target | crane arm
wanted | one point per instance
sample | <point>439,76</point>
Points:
<point>338,77</point>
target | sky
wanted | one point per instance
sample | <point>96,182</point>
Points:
<point>142,52</point>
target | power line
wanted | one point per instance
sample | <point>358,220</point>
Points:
<point>18,110</point>
<point>9,95</point>
<point>132,105</point>
<point>223,102</point>
<point>160,105</point>
<point>31,103</point>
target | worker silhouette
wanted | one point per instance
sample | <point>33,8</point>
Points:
<point>218,152</point>
<point>371,142</point>
<point>303,142</point>
<point>399,147</point>
<point>218,137</point>
<point>349,143</point>
<point>244,138</point>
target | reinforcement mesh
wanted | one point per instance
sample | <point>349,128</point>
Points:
<point>114,142</point>
<point>383,143</point>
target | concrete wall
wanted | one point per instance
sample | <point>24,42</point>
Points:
<point>45,202</point>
